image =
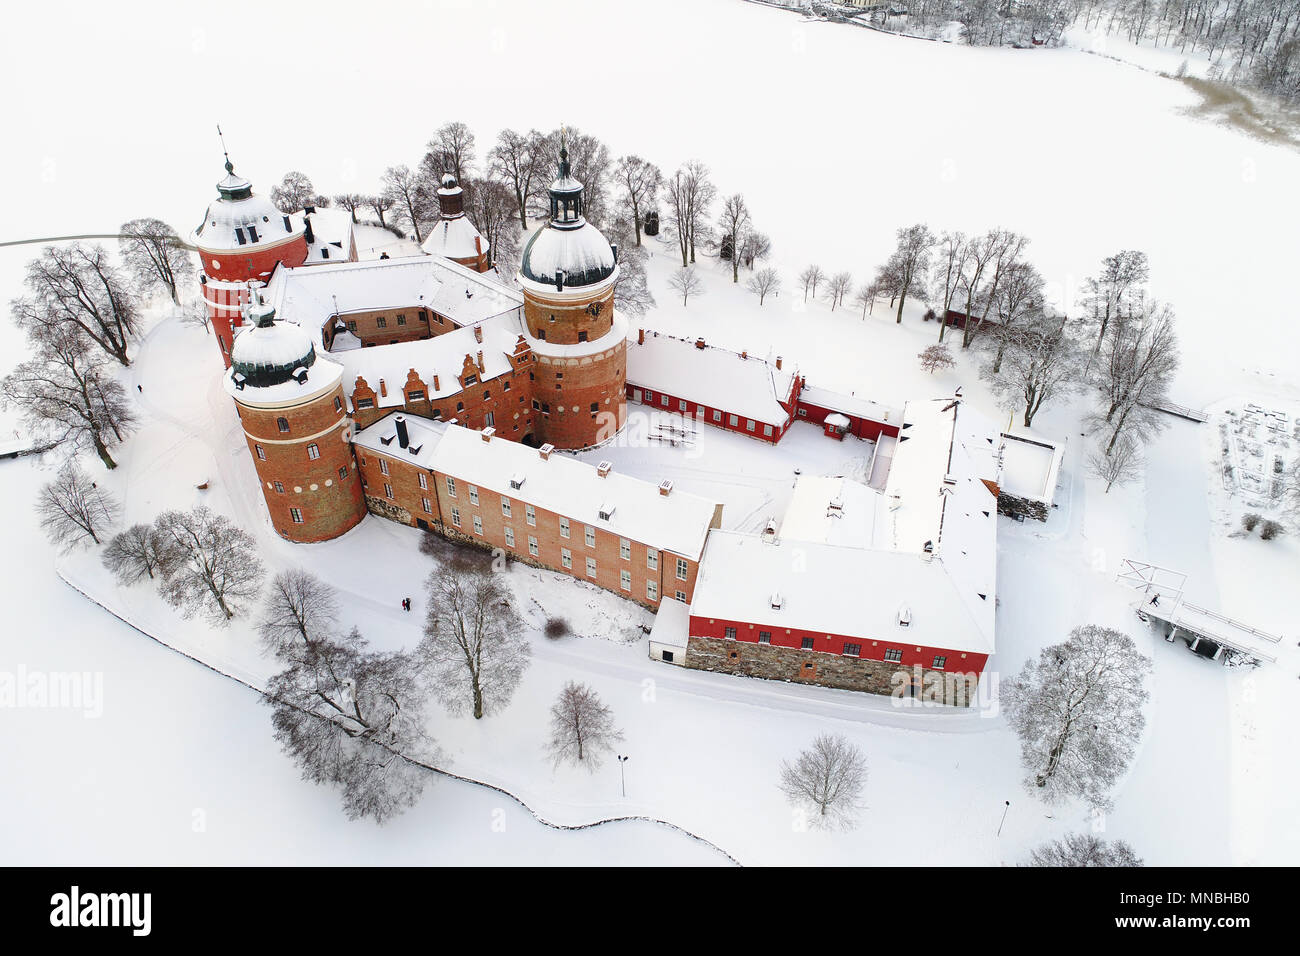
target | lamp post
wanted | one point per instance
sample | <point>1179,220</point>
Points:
<point>1004,817</point>
<point>621,775</point>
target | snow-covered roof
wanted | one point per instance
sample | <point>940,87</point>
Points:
<point>218,233</point>
<point>1029,467</point>
<point>850,405</point>
<point>677,522</point>
<point>583,254</point>
<point>854,592</point>
<point>309,296</point>
<point>423,438</point>
<point>277,364</point>
<point>750,387</point>
<point>672,624</point>
<point>331,235</point>
<point>835,510</point>
<point>455,238</point>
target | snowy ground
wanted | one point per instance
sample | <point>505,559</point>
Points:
<point>1211,783</point>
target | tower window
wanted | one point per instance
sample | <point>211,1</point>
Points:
<point>313,451</point>
<point>541,334</point>
<point>582,336</point>
<point>338,404</point>
<point>252,234</point>
<point>282,423</point>
<point>296,515</point>
<point>261,452</point>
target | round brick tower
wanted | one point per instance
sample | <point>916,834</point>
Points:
<point>290,404</point>
<point>242,237</point>
<point>579,342</point>
<point>453,236</point>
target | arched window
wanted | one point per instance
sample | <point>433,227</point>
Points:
<point>313,451</point>
<point>282,423</point>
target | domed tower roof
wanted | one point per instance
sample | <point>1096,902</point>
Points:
<point>238,218</point>
<point>568,251</point>
<point>269,352</point>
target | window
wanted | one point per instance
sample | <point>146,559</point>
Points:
<point>428,505</point>
<point>471,380</point>
<point>313,451</point>
<point>388,490</point>
<point>806,643</point>
<point>852,650</point>
<point>424,316</point>
<point>582,336</point>
<point>352,325</point>
<point>667,657</point>
<point>530,515</point>
<point>415,395</point>
<point>589,535</point>
<point>383,466</point>
<point>733,421</point>
<point>767,430</point>
<point>381,323</point>
<point>663,400</point>
<point>455,516</point>
<point>749,424</point>
<point>261,452</point>
<point>566,557</point>
<point>505,386</point>
<point>681,596</point>
<point>478,525</point>
<point>729,633</point>
<point>541,334</point>
<point>564,527</point>
<point>505,506</point>
<point>489,419</point>
<point>460,406</point>
<point>365,403</point>
<point>252,233</point>
<point>401,319</point>
<point>939,662</point>
<point>591,567</point>
<point>682,569</point>
<point>681,405</point>
<point>282,423</point>
<point>765,637</point>
<point>279,487</point>
<point>652,559</point>
<point>893,654</point>
<point>338,404</point>
<point>625,549</point>
<point>625,580</point>
<point>296,515</point>
<point>532,546</point>
<point>717,415</point>
<point>649,396</point>
<point>510,537</point>
<point>343,473</point>
<point>451,486</point>
<point>652,591</point>
<point>473,494</point>
<point>424,481</point>
<point>595,407</point>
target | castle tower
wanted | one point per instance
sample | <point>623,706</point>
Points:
<point>242,237</point>
<point>568,272</point>
<point>291,406</point>
<point>454,237</point>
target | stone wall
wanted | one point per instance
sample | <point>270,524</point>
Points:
<point>1013,506</point>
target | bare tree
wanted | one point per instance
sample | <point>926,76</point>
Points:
<point>1041,363</point>
<point>154,255</point>
<point>217,568</point>
<point>638,185</point>
<point>77,285</point>
<point>753,247</point>
<point>838,287</point>
<point>1137,364</point>
<point>948,269</point>
<point>299,610</point>
<point>65,394</point>
<point>1108,292</point>
<point>380,205</point>
<point>827,779</point>
<point>408,195</point>
<point>296,192</point>
<point>1078,712</point>
<point>866,296</point>
<point>352,202</point>
<point>913,259</point>
<point>72,508</point>
<point>632,294</point>
<point>519,159</point>
<point>763,283</point>
<point>809,279</point>
<point>490,205</point>
<point>1084,849</point>
<point>450,151</point>
<point>138,552</point>
<point>1020,303</point>
<point>1122,465</point>
<point>473,639</point>
<point>735,223</point>
<point>196,313</point>
<point>1004,248</point>
<point>582,727</point>
<point>936,358</point>
<point>686,282</point>
<point>355,719</point>
<point>690,195</point>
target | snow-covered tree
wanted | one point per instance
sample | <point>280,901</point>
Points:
<point>827,780</point>
<point>947,272</point>
<point>1078,712</point>
<point>689,194</point>
<point>352,202</point>
<point>912,258</point>
<point>1040,364</point>
<point>138,552</point>
<point>72,508</point>
<point>154,255</point>
<point>380,205</point>
<point>78,285</point>
<point>473,639</point>
<point>638,186</point>
<point>1110,292</point>
<point>296,192</point>
<point>1137,363</point>
<point>451,150</point>
<point>582,727</point>
<point>866,297</point>
<point>936,358</point>
<point>408,196</point>
<point>520,160</point>
<point>763,283</point>
<point>1122,465</point>
<point>217,569</point>
<point>632,295</point>
<point>351,717</point>
<point>734,223</point>
<point>686,282</point>
<point>1084,849</point>
<point>299,609</point>
<point>490,205</point>
<point>838,287</point>
<point>1019,304</point>
<point>810,278</point>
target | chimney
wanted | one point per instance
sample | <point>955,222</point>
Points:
<point>603,469</point>
<point>435,382</point>
<point>778,363</point>
<point>310,235</point>
<point>480,360</point>
<point>745,354</point>
<point>403,438</point>
<point>640,336</point>
<point>478,245</point>
<point>559,281</point>
<point>666,487</point>
<point>478,333</point>
<point>699,343</point>
<point>383,389</point>
<point>545,451</point>
<point>488,432</point>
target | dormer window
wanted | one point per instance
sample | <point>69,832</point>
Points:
<point>904,616</point>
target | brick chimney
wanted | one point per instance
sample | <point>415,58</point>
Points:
<point>604,468</point>
<point>480,360</point>
<point>435,381</point>
<point>666,487</point>
<point>478,333</point>
<point>488,432</point>
<point>403,438</point>
<point>545,451</point>
<point>640,336</point>
<point>383,389</point>
<point>778,363</point>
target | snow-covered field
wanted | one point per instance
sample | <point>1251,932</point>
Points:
<point>833,152</point>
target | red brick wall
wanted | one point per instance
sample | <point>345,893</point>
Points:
<point>561,321</point>
<point>329,504</point>
<point>574,385</point>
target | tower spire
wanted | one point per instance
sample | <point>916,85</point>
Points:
<point>564,153</point>
<point>230,168</point>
